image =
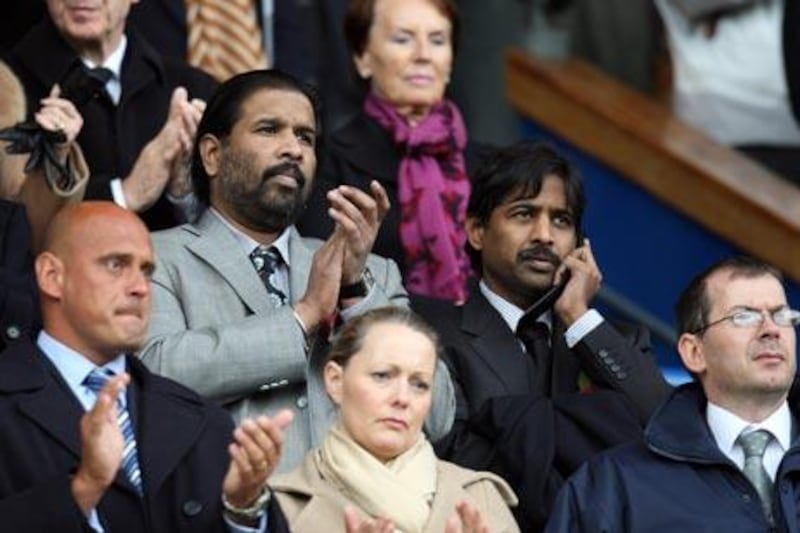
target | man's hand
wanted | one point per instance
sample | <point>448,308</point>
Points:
<point>102,444</point>
<point>322,292</point>
<point>153,168</point>
<point>353,523</point>
<point>466,519</point>
<point>180,183</point>
<point>359,215</point>
<point>583,284</point>
<point>255,453</point>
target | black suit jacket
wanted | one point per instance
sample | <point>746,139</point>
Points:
<point>536,438</point>
<point>112,136</point>
<point>182,446</point>
<point>355,155</point>
<point>19,298</point>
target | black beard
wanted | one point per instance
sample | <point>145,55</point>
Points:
<point>262,208</point>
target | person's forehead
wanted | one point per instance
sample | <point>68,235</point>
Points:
<point>727,289</point>
<point>287,104</point>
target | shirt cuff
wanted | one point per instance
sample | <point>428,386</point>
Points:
<point>360,307</point>
<point>233,527</point>
<point>117,194</point>
<point>582,327</point>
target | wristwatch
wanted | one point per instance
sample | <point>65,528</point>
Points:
<point>254,511</point>
<point>360,288</point>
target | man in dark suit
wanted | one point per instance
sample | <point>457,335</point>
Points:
<point>76,452</point>
<point>19,309</point>
<point>138,128</point>
<point>533,412</point>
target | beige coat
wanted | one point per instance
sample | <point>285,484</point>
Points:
<point>311,504</point>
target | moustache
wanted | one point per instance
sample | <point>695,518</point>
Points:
<point>285,169</point>
<point>540,252</point>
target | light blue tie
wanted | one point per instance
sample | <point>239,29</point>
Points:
<point>95,381</point>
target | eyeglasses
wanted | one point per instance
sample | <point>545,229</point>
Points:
<point>753,318</point>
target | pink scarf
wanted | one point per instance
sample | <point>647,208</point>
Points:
<point>432,190</point>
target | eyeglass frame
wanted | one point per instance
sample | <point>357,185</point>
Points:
<point>794,318</point>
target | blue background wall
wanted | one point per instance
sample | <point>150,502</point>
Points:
<point>648,252</point>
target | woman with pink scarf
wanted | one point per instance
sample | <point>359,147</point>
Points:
<point>409,138</point>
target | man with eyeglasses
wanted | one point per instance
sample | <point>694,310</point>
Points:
<point>719,454</point>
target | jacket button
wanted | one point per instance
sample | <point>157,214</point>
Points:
<point>302,402</point>
<point>603,353</point>
<point>746,498</point>
<point>13,332</point>
<point>192,508</point>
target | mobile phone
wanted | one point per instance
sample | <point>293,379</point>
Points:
<point>548,299</point>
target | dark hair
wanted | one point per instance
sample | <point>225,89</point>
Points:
<point>224,110</point>
<point>518,171</point>
<point>360,15</point>
<point>694,305</point>
<point>350,338</point>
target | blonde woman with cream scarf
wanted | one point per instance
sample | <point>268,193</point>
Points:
<point>375,470</point>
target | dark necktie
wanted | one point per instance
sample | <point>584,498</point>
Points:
<point>95,381</point>
<point>535,336</point>
<point>266,261</point>
<point>754,445</point>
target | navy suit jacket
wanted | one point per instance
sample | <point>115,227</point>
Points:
<point>182,446</point>
<point>19,298</point>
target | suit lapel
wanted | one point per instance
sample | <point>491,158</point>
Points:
<point>494,342</point>
<point>166,430</point>
<point>300,258</point>
<point>49,405</point>
<point>217,246</point>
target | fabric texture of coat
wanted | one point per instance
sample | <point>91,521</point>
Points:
<point>306,500</point>
<point>535,438</point>
<point>112,135</point>
<point>355,155</point>
<point>676,480</point>
<point>182,446</point>
<point>214,330</point>
<point>19,298</point>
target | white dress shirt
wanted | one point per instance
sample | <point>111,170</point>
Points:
<point>726,428</point>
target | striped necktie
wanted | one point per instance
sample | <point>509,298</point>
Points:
<point>95,381</point>
<point>224,37</point>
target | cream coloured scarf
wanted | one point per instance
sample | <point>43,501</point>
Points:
<point>400,490</point>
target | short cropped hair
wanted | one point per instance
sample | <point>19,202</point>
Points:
<point>225,107</point>
<point>694,305</point>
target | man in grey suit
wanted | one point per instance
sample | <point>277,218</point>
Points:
<point>251,335</point>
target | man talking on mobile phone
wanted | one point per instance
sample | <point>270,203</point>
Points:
<point>542,380</point>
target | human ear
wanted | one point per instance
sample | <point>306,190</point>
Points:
<point>475,231</point>
<point>50,274</point>
<point>333,373</point>
<point>690,348</point>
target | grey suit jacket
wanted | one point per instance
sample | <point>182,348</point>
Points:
<point>214,330</point>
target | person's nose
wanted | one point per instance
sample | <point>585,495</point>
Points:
<point>290,147</point>
<point>139,284</point>
<point>542,230</point>
<point>422,50</point>
<point>768,327</point>
<point>402,394</point>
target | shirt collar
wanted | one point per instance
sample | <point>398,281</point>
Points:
<point>248,244</point>
<point>73,366</point>
<point>114,60</point>
<point>511,313</point>
<point>726,426</point>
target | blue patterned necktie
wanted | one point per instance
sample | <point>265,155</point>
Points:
<point>95,381</point>
<point>754,445</point>
<point>266,261</point>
